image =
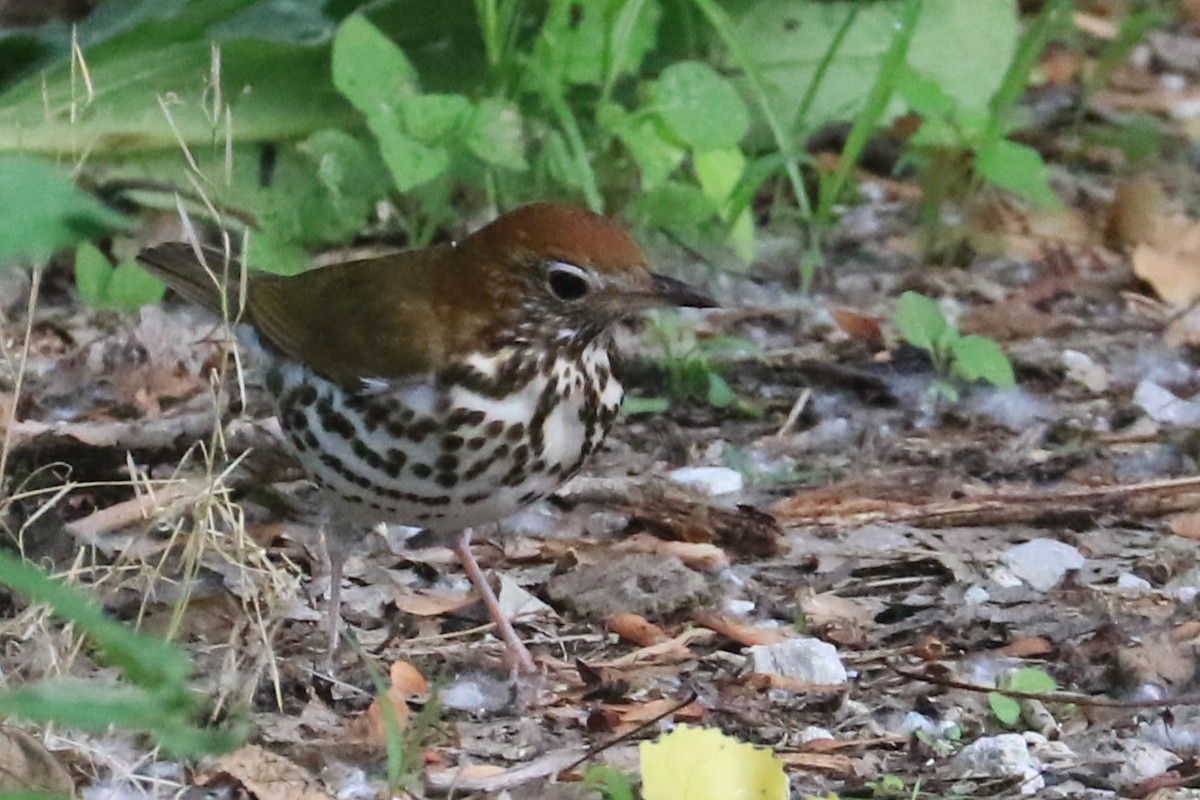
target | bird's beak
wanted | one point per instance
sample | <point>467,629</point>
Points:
<point>672,292</point>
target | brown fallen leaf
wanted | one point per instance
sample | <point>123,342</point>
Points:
<point>744,633</point>
<point>263,775</point>
<point>1133,215</point>
<point>636,629</point>
<point>1185,524</point>
<point>858,326</point>
<point>1026,647</point>
<point>422,603</point>
<point>405,682</point>
<point>1169,260</point>
<point>821,762</point>
<point>625,717</point>
<point>27,766</point>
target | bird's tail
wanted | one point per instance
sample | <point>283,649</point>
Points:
<point>205,277</point>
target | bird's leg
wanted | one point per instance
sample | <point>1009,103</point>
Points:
<point>335,554</point>
<point>517,656</point>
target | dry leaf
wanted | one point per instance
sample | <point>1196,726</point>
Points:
<point>744,633</point>
<point>858,326</point>
<point>423,603</point>
<point>264,775</point>
<point>1186,524</point>
<point>1170,260</point>
<point>27,766</point>
<point>1026,647</point>
<point>405,682</point>
<point>636,629</point>
<point>1134,213</point>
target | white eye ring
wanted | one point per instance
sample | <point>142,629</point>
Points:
<point>566,281</point>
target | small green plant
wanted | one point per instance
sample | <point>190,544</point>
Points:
<point>1026,679</point>
<point>958,148</point>
<point>956,358</point>
<point>693,368</point>
<point>124,287</point>
<point>153,698</point>
<point>611,783</point>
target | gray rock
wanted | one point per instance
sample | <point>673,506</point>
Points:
<point>1006,754</point>
<point>1042,563</point>
<point>807,660</point>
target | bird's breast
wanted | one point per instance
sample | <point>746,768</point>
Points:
<point>469,445</point>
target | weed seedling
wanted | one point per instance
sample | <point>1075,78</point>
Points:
<point>956,358</point>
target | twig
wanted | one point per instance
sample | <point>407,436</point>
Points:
<point>616,740</point>
<point>1047,697</point>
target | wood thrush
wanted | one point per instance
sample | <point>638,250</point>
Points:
<point>448,387</point>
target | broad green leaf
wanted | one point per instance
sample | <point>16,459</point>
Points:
<point>632,406</point>
<point>44,212</point>
<point>787,40</point>
<point>132,287</point>
<point>980,358</point>
<point>495,134</point>
<point>920,321</point>
<point>677,206</point>
<point>702,108</point>
<point>704,764</point>
<point>435,118</point>
<point>1006,709</point>
<point>351,177</point>
<point>1031,679</point>
<point>274,91</point>
<point>411,162</point>
<point>632,35</point>
<point>1019,169</point>
<point>368,68</point>
<point>925,96</point>
<point>92,272</point>
<point>718,171</point>
<point>657,156</point>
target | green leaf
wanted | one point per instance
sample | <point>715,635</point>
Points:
<point>700,107</point>
<point>657,156</point>
<point>411,162</point>
<point>632,406</point>
<point>633,35</point>
<point>677,206</point>
<point>787,40</point>
<point>981,358</point>
<point>132,287</point>
<point>369,69</point>
<point>920,321</point>
<point>719,171</point>
<point>495,134</point>
<point>720,394</point>
<point>92,272</point>
<point>613,784</point>
<point>1032,680</point>
<point>1006,709</point>
<point>1019,169</point>
<point>434,118</point>
<point>43,212</point>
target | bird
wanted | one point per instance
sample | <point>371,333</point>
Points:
<point>446,387</point>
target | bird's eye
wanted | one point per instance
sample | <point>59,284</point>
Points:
<point>566,281</point>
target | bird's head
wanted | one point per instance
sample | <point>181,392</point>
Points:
<point>573,272</point>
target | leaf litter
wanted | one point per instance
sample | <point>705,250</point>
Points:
<point>932,550</point>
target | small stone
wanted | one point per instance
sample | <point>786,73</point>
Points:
<point>1142,761</point>
<point>1127,580</point>
<point>813,733</point>
<point>1161,405</point>
<point>711,480</point>
<point>806,660</point>
<point>976,596</point>
<point>1006,754</point>
<point>1042,563</point>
